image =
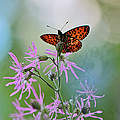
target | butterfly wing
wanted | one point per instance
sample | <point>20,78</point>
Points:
<point>50,38</point>
<point>71,45</point>
<point>73,37</point>
<point>78,33</point>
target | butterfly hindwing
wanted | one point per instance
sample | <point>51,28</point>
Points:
<point>79,32</point>
<point>50,38</point>
<point>71,45</point>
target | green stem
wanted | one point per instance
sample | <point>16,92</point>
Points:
<point>59,85</point>
<point>58,71</point>
<point>44,81</point>
<point>62,104</point>
<point>59,94</point>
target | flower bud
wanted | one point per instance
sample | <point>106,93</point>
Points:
<point>85,110</point>
<point>78,111</point>
<point>66,106</point>
<point>52,76</point>
<point>43,58</point>
<point>35,105</point>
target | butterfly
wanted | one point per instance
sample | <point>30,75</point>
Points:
<point>71,39</point>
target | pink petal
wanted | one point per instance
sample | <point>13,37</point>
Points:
<point>79,104</point>
<point>28,104</point>
<point>9,78</point>
<point>82,86</point>
<point>15,92</point>
<point>73,72</point>
<point>34,92</point>
<point>10,83</point>
<point>47,67</point>
<point>13,68</point>
<point>66,75</point>
<point>14,58</point>
<point>94,101</point>
<point>97,117</point>
<point>82,92</point>
<point>35,48</point>
<point>50,53</point>
<point>29,92</point>
<point>28,54</point>
<point>78,67</point>
<point>51,50</point>
<point>41,99</point>
<point>21,94</point>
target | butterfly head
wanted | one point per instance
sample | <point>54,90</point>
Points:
<point>60,36</point>
<point>59,33</point>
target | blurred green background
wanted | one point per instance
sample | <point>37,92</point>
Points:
<point>23,21</point>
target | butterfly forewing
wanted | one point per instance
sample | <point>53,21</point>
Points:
<point>50,38</point>
<point>79,32</point>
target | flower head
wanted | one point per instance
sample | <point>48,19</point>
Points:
<point>89,92</point>
<point>19,115</point>
<point>65,64</point>
<point>35,107</point>
<point>84,112</point>
<point>33,56</point>
<point>54,108</point>
<point>23,79</point>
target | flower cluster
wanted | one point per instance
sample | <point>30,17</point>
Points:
<point>23,78</point>
<point>89,92</point>
<point>82,106</point>
<point>36,107</point>
<point>65,64</point>
<point>26,73</point>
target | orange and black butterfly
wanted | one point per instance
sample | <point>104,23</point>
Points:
<point>71,39</point>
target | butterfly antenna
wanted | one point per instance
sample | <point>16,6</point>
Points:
<point>64,25</point>
<point>52,27</point>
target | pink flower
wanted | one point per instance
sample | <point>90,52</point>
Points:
<point>41,116</point>
<point>37,117</point>
<point>82,112</point>
<point>54,108</point>
<point>33,57</point>
<point>65,64</point>
<point>22,80</point>
<point>19,115</point>
<point>90,93</point>
<point>35,106</point>
<point>86,114</point>
<point>40,98</point>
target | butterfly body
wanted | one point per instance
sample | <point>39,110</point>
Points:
<point>61,36</point>
<point>71,39</point>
